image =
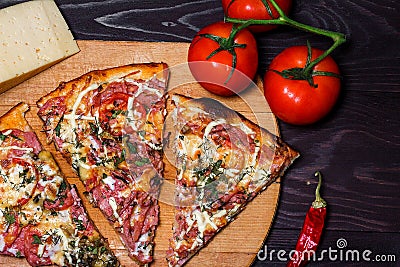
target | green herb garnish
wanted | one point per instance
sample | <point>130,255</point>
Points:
<point>2,136</point>
<point>36,240</point>
<point>131,147</point>
<point>10,219</point>
<point>115,113</point>
<point>142,162</point>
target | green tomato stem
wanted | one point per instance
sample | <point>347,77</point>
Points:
<point>338,38</point>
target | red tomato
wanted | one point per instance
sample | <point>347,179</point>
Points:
<point>254,9</point>
<point>111,107</point>
<point>296,101</point>
<point>215,73</point>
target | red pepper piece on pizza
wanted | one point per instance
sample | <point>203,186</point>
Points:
<point>42,217</point>
<point>108,124</point>
<point>223,161</point>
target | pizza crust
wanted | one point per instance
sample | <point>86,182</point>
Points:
<point>72,88</point>
<point>15,118</point>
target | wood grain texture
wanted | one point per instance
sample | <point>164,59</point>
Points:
<point>356,147</point>
<point>249,229</point>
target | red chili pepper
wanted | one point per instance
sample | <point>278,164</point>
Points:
<point>311,231</point>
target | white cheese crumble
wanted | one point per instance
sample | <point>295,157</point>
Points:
<point>113,205</point>
<point>203,219</point>
<point>29,149</point>
<point>110,182</point>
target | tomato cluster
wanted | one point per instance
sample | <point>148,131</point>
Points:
<point>223,57</point>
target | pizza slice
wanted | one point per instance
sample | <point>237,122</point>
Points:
<point>108,125</point>
<point>42,217</point>
<point>223,161</point>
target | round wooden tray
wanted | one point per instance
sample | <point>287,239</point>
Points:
<point>236,245</point>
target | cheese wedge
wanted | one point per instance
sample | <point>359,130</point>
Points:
<point>33,37</point>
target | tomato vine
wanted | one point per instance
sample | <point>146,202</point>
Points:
<point>307,72</point>
<point>225,44</point>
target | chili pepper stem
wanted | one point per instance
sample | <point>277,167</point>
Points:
<point>311,231</point>
<point>319,202</point>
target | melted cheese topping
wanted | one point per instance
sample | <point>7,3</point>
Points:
<point>28,149</point>
<point>16,183</point>
<point>191,147</point>
<point>110,182</point>
<point>211,125</point>
<point>244,128</point>
<point>114,207</point>
<point>60,237</point>
<point>47,170</point>
<point>143,86</point>
<point>135,119</point>
<point>142,247</point>
<point>31,212</point>
<point>58,249</point>
<point>2,243</point>
<point>78,151</point>
<point>204,221</point>
<point>79,117</point>
<point>72,116</point>
<point>68,133</point>
<point>195,152</point>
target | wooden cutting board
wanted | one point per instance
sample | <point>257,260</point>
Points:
<point>239,243</point>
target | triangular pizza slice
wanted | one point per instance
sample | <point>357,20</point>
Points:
<point>42,217</point>
<point>108,125</point>
<point>223,161</point>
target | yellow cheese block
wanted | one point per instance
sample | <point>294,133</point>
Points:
<point>33,36</point>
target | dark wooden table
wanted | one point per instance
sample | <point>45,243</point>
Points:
<point>357,147</point>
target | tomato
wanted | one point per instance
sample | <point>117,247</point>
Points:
<point>296,101</point>
<point>254,9</point>
<point>215,72</point>
<point>113,106</point>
